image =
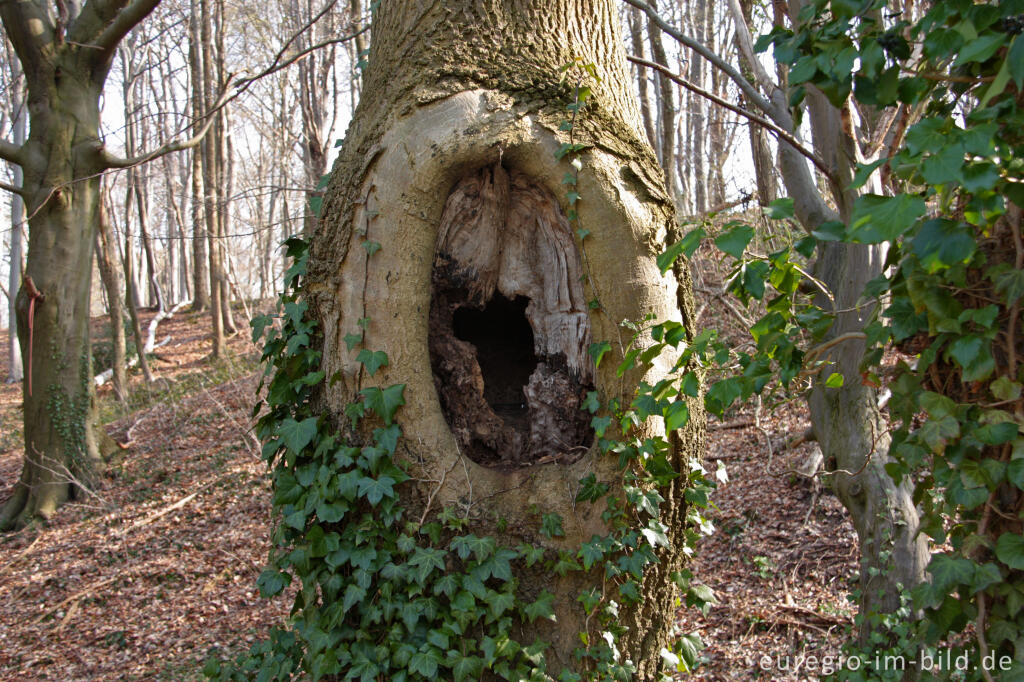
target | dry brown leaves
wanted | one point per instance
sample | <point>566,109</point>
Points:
<point>138,582</point>
<point>140,579</point>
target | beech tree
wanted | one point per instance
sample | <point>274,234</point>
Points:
<point>65,51</point>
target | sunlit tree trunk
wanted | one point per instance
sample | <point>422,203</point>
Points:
<point>473,122</point>
<point>16,255</point>
<point>62,161</point>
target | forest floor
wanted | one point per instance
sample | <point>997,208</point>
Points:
<point>158,564</point>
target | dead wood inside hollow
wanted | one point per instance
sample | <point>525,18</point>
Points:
<point>509,328</point>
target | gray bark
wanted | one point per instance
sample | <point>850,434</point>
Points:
<point>15,372</point>
<point>63,151</point>
<point>484,92</point>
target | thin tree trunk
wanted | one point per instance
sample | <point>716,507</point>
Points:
<point>106,259</point>
<point>636,34</point>
<point>700,200</point>
<point>200,228</point>
<point>209,169</point>
<point>667,110</point>
<point>15,373</point>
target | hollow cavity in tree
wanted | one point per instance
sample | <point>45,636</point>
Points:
<point>509,328</point>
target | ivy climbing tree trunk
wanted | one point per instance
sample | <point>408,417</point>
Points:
<point>444,241</point>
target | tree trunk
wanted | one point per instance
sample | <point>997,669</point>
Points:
<point>211,194</point>
<point>200,260</point>
<point>847,421</point>
<point>60,448</point>
<point>15,371</point>
<point>636,35</point>
<point>449,164</point>
<point>106,258</point>
<point>667,111</point>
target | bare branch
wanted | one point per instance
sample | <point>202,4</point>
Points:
<point>240,86</point>
<point>125,21</point>
<point>12,188</point>
<point>111,161</point>
<point>748,89</point>
<point>746,44</point>
<point>11,152</point>
<point>759,120</point>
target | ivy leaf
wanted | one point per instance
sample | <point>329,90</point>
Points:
<point>1010,550</point>
<point>468,668</point>
<point>835,380</point>
<point>591,403</point>
<point>541,608</point>
<point>1015,58</point>
<point>780,209</point>
<point>948,572</point>
<point>372,360</point>
<point>297,435</point>
<point>384,402</point>
<point>980,49</point>
<point>353,595</point>
<point>272,581</point>
<point>734,242</point>
<point>498,603</point>
<point>425,663</point>
<point>551,526</point>
<point>352,340</point>
<point>597,351</point>
<point>1005,388</point>
<point>677,414</point>
<point>942,243</point>
<point>944,166</point>
<point>974,355</point>
<point>687,245</point>
<point>374,489</point>
<point>878,219</point>
<point>655,533</point>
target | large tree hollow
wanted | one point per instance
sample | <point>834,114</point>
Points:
<point>503,340</point>
<point>509,327</point>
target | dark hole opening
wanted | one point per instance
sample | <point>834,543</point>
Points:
<point>504,350</point>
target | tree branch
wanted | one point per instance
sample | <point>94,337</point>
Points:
<point>111,161</point>
<point>11,152</point>
<point>123,22</point>
<point>239,86</point>
<point>759,120</point>
<point>28,27</point>
<point>810,207</point>
<point>749,91</point>
<point>746,44</point>
<point>12,188</point>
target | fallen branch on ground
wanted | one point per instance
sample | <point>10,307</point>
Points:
<point>151,344</point>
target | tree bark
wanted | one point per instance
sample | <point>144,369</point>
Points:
<point>200,260</point>
<point>15,370</point>
<point>106,258</point>
<point>62,161</point>
<point>462,103</point>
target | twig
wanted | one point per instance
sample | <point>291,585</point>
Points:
<point>20,556</point>
<point>430,499</point>
<point>782,133</point>
<point>78,595</point>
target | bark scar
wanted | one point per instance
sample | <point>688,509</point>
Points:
<point>34,295</point>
